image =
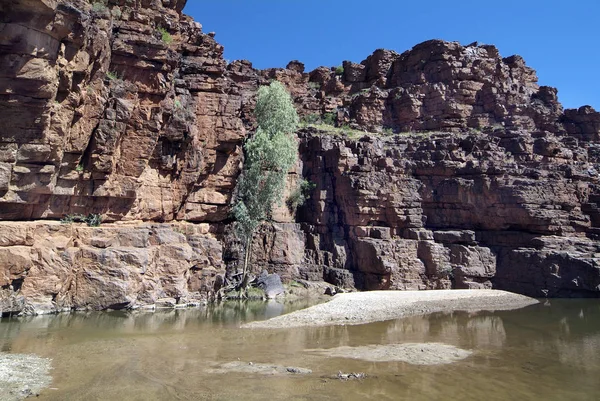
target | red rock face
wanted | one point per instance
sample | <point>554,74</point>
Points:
<point>430,211</point>
<point>130,111</point>
<point>122,110</point>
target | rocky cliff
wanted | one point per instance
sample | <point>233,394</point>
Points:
<point>449,166</point>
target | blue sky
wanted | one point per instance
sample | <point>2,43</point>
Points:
<point>560,39</point>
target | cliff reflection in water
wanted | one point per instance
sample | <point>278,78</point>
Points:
<point>550,350</point>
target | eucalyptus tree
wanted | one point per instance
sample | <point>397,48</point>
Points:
<point>269,155</point>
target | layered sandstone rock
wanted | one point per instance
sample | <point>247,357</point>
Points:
<point>461,210</point>
<point>49,267</point>
<point>123,110</point>
<point>128,110</point>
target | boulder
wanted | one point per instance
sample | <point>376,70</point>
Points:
<point>271,284</point>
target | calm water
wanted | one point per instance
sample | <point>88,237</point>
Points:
<point>544,352</point>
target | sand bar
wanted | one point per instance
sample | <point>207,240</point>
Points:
<point>373,306</point>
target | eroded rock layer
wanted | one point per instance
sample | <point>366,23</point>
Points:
<point>461,210</point>
<point>461,171</point>
<point>48,267</point>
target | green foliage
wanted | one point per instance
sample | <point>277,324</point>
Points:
<point>275,112</point>
<point>251,294</point>
<point>72,218</point>
<point>360,93</point>
<point>329,119</point>
<point>99,7</point>
<point>317,119</point>
<point>339,70</point>
<point>268,159</point>
<point>313,118</point>
<point>79,168</point>
<point>117,13</point>
<point>255,293</point>
<point>165,35</point>
<point>300,195</point>
<point>270,153</point>
<point>112,75</point>
<point>92,220</point>
<point>343,130</point>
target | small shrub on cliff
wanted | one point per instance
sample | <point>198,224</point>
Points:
<point>116,13</point>
<point>165,36</point>
<point>329,119</point>
<point>360,93</point>
<point>313,118</point>
<point>72,218</point>
<point>317,119</point>
<point>112,75</point>
<point>270,153</point>
<point>299,195</point>
<point>339,70</point>
<point>92,219</point>
<point>99,7</point>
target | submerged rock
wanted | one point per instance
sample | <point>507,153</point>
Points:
<point>413,353</point>
<point>259,368</point>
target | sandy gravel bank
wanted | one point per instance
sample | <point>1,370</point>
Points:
<point>22,376</point>
<point>374,306</point>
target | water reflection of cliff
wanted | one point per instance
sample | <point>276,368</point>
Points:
<point>554,321</point>
<point>155,353</point>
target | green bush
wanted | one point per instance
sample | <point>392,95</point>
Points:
<point>313,118</point>
<point>165,35</point>
<point>339,70</point>
<point>300,195</point>
<point>329,118</point>
<point>112,75</point>
<point>92,219</point>
<point>98,7</point>
<point>117,13</point>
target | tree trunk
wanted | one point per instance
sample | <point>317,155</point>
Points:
<point>246,259</point>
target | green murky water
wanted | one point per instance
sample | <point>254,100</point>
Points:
<point>544,352</point>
